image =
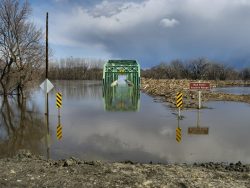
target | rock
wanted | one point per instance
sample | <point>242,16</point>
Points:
<point>24,154</point>
<point>182,185</point>
<point>128,162</point>
<point>89,162</point>
<point>146,183</point>
<point>68,162</point>
<point>238,163</point>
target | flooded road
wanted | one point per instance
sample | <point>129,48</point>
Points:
<point>139,130</point>
<point>233,90</point>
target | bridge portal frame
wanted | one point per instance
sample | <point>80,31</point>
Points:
<point>113,68</point>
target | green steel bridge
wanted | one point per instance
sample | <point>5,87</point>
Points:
<point>121,97</point>
<point>113,68</point>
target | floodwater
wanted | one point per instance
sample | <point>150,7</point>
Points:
<point>233,90</point>
<point>127,126</point>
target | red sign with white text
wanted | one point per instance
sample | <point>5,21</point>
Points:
<point>199,85</point>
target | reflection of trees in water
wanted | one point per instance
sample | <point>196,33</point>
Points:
<point>80,89</point>
<point>23,128</point>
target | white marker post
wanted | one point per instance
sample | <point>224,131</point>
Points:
<point>199,95</point>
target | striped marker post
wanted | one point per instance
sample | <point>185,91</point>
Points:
<point>179,102</point>
<point>58,100</point>
<point>178,134</point>
<point>59,132</point>
<point>59,126</point>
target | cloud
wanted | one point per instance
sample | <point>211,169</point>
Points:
<point>169,22</point>
<point>141,29</point>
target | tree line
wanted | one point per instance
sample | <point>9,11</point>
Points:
<point>76,69</point>
<point>196,69</point>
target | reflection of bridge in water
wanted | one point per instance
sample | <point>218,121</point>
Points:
<point>121,97</point>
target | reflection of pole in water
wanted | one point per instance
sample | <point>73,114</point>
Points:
<point>47,140</point>
<point>198,130</point>
<point>179,113</point>
<point>178,121</point>
<point>198,118</point>
<point>178,131</point>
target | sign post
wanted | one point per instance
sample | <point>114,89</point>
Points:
<point>199,86</point>
<point>199,93</point>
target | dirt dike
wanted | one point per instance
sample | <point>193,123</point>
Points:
<point>167,89</point>
<point>27,170</point>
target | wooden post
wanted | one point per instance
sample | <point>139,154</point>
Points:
<point>46,74</point>
<point>46,94</point>
<point>47,61</point>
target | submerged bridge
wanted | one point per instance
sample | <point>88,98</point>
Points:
<point>113,68</point>
<point>124,97</point>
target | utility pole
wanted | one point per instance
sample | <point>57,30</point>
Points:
<point>46,74</point>
<point>46,77</point>
<point>47,17</point>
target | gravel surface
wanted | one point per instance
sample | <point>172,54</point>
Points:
<point>27,170</point>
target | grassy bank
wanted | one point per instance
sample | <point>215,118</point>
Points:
<point>167,89</point>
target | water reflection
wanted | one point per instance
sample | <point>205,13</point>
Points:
<point>20,127</point>
<point>198,130</point>
<point>121,98</point>
<point>90,133</point>
<point>80,89</point>
<point>233,90</point>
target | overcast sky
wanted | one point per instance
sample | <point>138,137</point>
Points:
<point>150,31</point>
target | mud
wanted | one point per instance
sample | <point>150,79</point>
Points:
<point>27,170</point>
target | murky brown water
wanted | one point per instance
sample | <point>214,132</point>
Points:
<point>144,132</point>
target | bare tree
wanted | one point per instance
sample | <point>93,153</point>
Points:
<point>21,49</point>
<point>197,68</point>
<point>245,74</point>
<point>177,69</point>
